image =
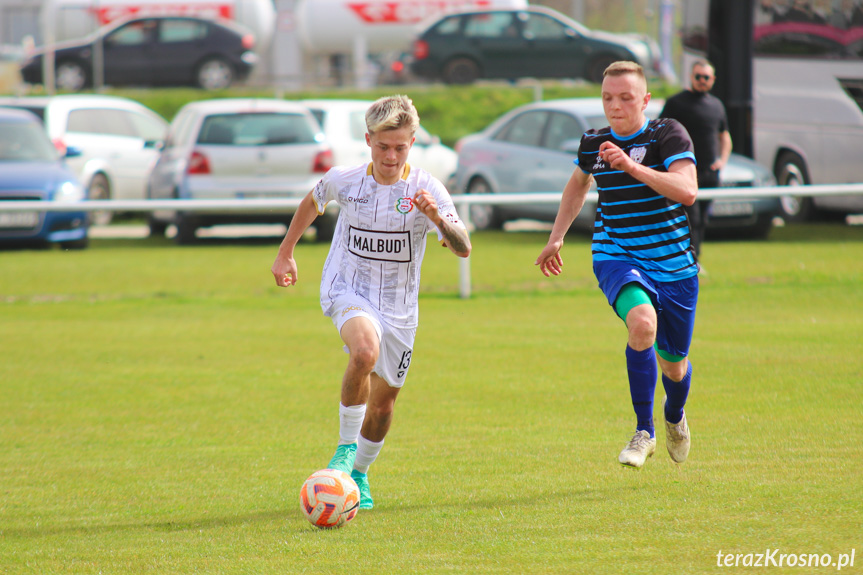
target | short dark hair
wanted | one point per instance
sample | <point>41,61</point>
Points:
<point>623,67</point>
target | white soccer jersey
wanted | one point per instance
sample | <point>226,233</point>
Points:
<point>380,238</point>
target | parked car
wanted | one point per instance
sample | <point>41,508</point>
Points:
<point>239,149</point>
<point>153,51</point>
<point>32,170</point>
<point>344,125</point>
<point>117,140</point>
<point>532,148</point>
<point>537,42</point>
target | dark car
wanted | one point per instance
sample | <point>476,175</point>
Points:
<point>33,171</point>
<point>533,42</point>
<point>167,51</point>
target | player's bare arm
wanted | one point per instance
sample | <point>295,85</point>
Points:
<point>550,261</point>
<point>456,237</point>
<point>285,267</point>
<point>679,183</point>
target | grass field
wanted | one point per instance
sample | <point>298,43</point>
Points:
<point>160,408</point>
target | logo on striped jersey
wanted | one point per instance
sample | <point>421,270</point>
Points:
<point>637,154</point>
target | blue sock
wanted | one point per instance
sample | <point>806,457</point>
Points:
<point>642,370</point>
<point>676,393</point>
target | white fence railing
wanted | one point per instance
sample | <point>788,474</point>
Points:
<point>462,201</point>
<point>246,205</point>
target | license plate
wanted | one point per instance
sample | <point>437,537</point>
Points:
<point>730,209</point>
<point>19,219</point>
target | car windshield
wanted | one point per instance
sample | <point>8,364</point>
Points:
<point>256,129</point>
<point>25,142</point>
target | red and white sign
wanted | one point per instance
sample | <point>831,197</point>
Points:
<point>410,11</point>
<point>208,10</point>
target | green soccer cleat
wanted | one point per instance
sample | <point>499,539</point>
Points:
<point>343,459</point>
<point>362,481</point>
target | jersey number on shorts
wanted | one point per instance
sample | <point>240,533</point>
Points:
<point>404,363</point>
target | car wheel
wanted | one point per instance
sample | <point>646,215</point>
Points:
<point>157,227</point>
<point>215,74</point>
<point>597,66</point>
<point>186,228</point>
<point>791,171</point>
<point>483,216</point>
<point>70,76</point>
<point>460,71</point>
<point>100,189</point>
<point>762,227</point>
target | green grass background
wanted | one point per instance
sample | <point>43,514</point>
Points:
<point>160,408</point>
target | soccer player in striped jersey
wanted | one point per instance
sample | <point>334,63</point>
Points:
<point>642,254</point>
<point>370,281</point>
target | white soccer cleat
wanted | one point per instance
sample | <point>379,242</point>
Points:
<point>676,438</point>
<point>640,447</point>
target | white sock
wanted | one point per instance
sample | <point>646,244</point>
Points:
<point>350,422</point>
<point>367,452</point>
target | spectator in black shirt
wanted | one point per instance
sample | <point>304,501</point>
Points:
<point>703,116</point>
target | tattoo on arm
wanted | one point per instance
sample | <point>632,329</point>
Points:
<point>456,237</point>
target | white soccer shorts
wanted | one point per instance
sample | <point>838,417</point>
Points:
<point>396,345</point>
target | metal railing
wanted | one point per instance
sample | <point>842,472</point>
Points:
<point>462,201</point>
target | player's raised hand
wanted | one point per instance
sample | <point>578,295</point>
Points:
<point>425,202</point>
<point>614,156</point>
<point>550,261</point>
<point>285,272</point>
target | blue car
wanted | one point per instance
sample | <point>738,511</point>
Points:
<point>32,170</point>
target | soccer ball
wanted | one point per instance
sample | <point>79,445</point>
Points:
<point>329,498</point>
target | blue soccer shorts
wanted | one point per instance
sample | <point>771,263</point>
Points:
<point>674,302</point>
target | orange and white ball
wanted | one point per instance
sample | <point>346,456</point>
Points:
<point>329,498</point>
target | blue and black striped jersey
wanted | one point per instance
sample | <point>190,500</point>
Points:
<point>634,223</point>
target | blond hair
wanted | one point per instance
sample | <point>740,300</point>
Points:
<point>392,113</point>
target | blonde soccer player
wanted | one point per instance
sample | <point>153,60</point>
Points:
<point>370,283</point>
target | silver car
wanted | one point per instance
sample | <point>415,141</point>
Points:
<point>239,149</point>
<point>532,148</point>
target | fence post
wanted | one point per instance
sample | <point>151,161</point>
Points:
<point>464,263</point>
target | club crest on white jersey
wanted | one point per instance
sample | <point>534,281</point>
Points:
<point>404,205</point>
